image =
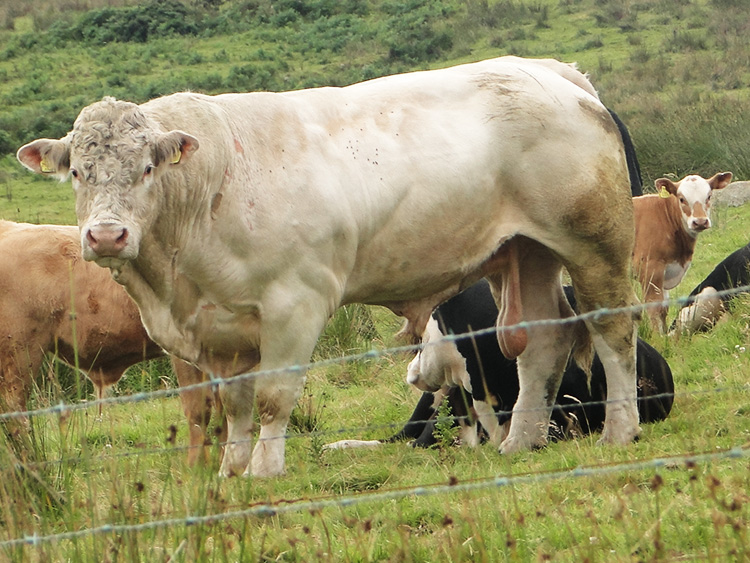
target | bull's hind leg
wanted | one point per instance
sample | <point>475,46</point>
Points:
<point>605,284</point>
<point>541,363</point>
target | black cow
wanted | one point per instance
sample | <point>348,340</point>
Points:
<point>634,169</point>
<point>482,385</point>
<point>704,306</point>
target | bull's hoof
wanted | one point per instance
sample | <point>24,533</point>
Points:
<point>620,437</point>
<point>513,445</point>
<point>234,462</point>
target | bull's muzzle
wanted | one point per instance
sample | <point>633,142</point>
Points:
<point>107,240</point>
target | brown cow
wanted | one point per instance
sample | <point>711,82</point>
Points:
<point>98,322</point>
<point>667,226</point>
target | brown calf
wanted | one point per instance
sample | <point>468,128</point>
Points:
<point>667,225</point>
<point>52,301</point>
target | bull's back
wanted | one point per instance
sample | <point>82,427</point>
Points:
<point>398,188</point>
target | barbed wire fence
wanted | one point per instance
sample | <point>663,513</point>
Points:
<point>688,459</point>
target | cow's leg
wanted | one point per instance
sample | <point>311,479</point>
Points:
<point>603,283</point>
<point>276,396</point>
<point>487,417</point>
<point>287,343</point>
<point>237,396</point>
<point>424,410</point>
<point>651,279</point>
<point>541,364</point>
<point>16,375</point>
<point>197,404</point>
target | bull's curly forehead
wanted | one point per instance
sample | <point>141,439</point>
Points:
<point>108,140</point>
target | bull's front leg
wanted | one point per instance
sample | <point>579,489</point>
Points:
<point>288,337</point>
<point>276,396</point>
<point>237,396</point>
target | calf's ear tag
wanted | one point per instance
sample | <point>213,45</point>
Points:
<point>176,156</point>
<point>664,193</point>
<point>44,166</point>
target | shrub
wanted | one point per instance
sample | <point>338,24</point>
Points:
<point>156,18</point>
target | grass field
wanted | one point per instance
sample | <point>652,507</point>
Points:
<point>122,483</point>
<point>117,488</point>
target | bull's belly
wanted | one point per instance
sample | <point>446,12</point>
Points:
<point>416,268</point>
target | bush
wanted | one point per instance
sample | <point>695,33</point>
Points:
<point>156,18</point>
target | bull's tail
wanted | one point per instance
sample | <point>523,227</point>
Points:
<point>583,348</point>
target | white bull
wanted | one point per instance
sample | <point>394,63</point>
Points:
<point>299,202</point>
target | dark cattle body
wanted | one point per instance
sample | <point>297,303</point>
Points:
<point>704,306</point>
<point>634,168</point>
<point>578,408</point>
<point>730,273</point>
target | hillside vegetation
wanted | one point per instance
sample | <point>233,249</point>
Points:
<point>677,71</point>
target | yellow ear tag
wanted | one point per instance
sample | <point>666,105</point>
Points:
<point>176,157</point>
<point>664,193</point>
<point>44,166</point>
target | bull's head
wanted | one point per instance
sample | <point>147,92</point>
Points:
<point>694,196</point>
<point>114,156</point>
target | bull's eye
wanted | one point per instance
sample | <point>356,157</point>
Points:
<point>148,170</point>
<point>74,173</point>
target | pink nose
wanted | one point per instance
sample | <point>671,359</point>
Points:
<point>700,223</point>
<point>107,239</point>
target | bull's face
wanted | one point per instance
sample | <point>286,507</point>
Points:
<point>694,196</point>
<point>114,157</point>
<point>439,364</point>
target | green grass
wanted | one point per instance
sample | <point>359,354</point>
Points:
<point>128,469</point>
<point>678,73</point>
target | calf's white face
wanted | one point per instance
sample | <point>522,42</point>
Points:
<point>438,364</point>
<point>694,196</point>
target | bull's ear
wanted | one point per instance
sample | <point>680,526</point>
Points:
<point>663,184</point>
<point>46,156</point>
<point>175,147</point>
<point>720,180</point>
